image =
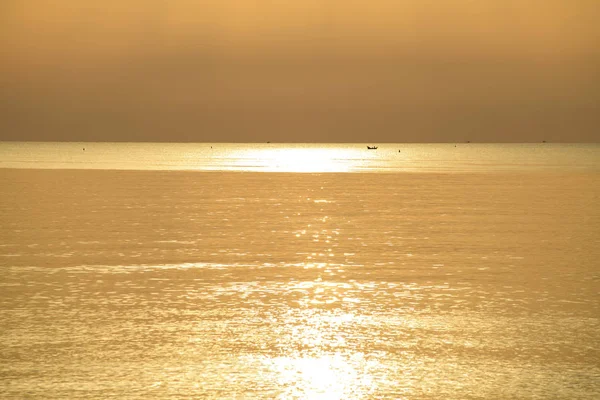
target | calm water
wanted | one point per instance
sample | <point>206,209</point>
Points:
<point>162,271</point>
<point>314,158</point>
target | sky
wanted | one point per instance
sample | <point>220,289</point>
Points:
<point>300,70</point>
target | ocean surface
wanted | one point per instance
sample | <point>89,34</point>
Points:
<point>270,271</point>
<point>315,158</point>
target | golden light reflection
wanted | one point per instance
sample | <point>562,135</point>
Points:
<point>318,362</point>
<point>300,159</point>
<point>329,376</point>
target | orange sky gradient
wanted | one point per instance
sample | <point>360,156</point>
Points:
<point>300,71</point>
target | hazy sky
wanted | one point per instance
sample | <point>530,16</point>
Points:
<point>300,70</point>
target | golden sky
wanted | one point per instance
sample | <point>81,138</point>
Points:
<point>300,71</point>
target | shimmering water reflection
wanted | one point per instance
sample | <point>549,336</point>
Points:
<point>148,284</point>
<point>301,157</point>
<point>324,377</point>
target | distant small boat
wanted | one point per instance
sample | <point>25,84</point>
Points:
<point>372,147</point>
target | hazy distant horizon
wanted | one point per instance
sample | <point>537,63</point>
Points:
<point>316,71</point>
<point>301,142</point>
<point>302,157</point>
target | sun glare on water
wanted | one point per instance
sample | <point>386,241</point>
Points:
<point>326,377</point>
<point>298,159</point>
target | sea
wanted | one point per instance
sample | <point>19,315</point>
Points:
<point>299,271</point>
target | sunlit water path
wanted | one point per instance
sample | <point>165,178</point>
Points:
<point>266,157</point>
<point>469,277</point>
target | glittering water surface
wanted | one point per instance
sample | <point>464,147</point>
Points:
<point>421,285</point>
<point>267,157</point>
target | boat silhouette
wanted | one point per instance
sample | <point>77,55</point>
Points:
<point>372,147</point>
